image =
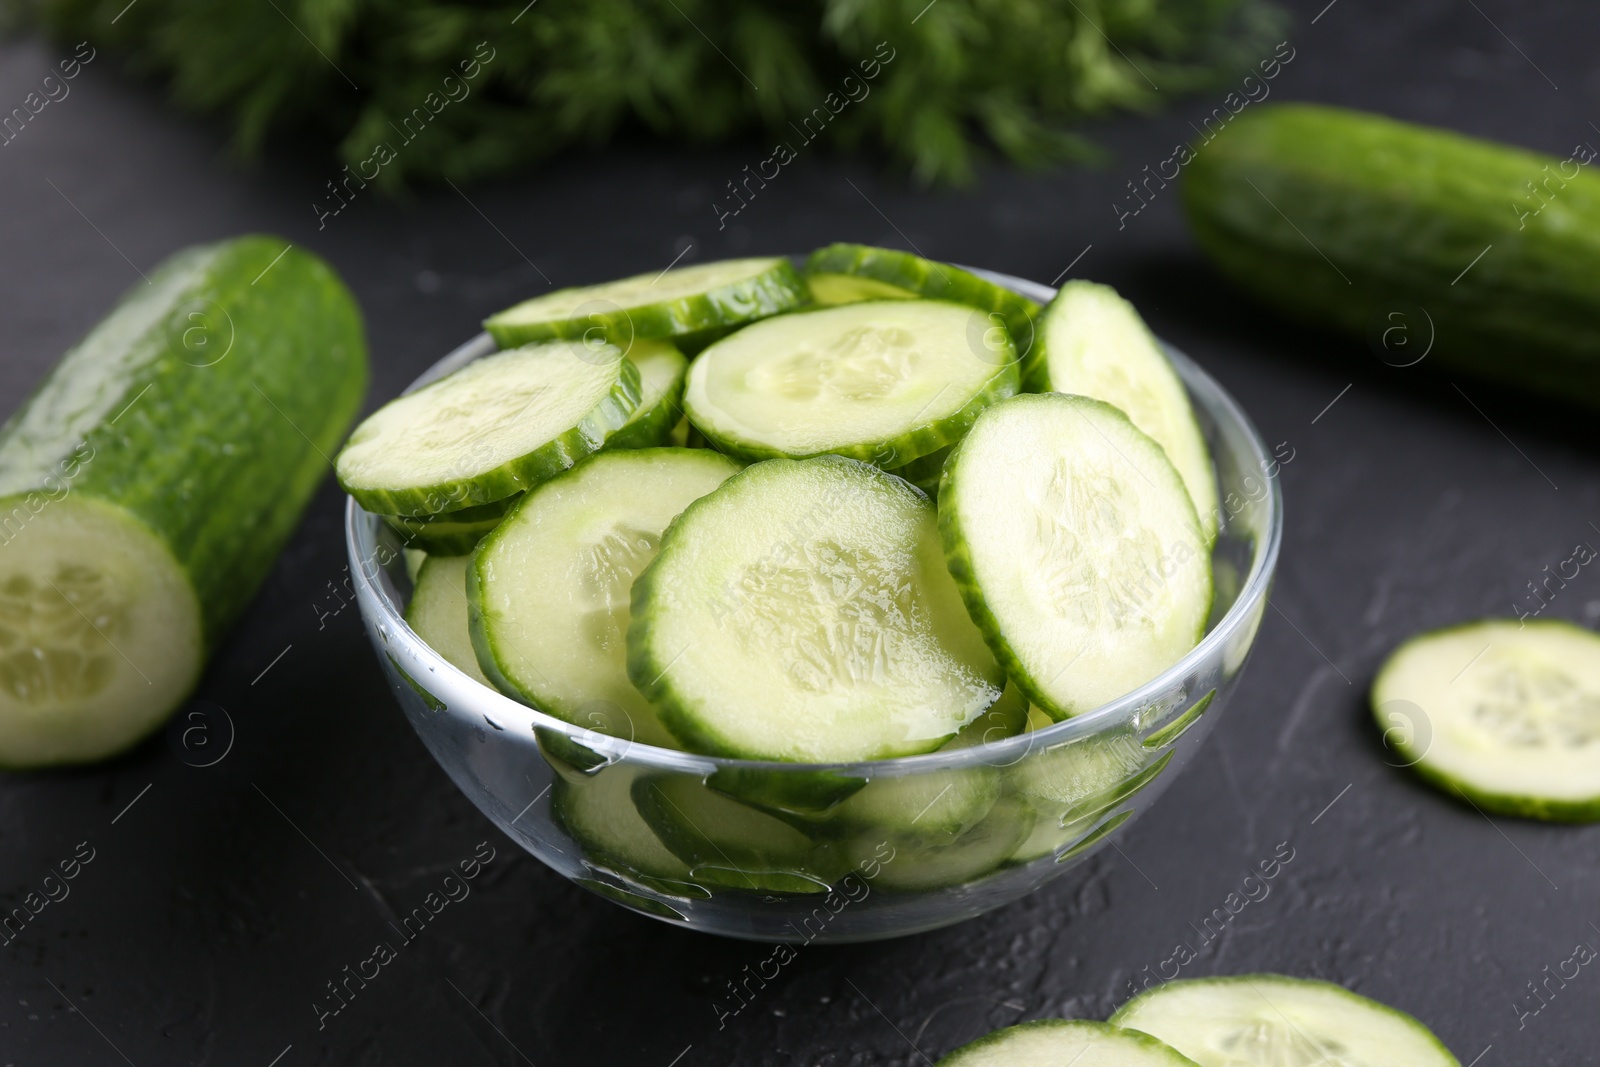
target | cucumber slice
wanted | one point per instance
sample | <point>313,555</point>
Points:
<point>438,612</point>
<point>1269,1019</point>
<point>1093,343</point>
<point>597,811</point>
<point>550,587</point>
<point>840,270</point>
<point>443,535</point>
<point>802,612</point>
<point>1066,1043</point>
<point>100,633</point>
<point>924,473</point>
<point>1006,717</point>
<point>661,372</point>
<point>676,303</point>
<point>730,844</point>
<point>1070,786</point>
<point>495,427</point>
<point>921,862</point>
<point>1076,548</point>
<point>1504,713</point>
<point>885,381</point>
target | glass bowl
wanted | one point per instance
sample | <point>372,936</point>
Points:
<point>790,852</point>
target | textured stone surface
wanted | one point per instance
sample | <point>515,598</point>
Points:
<point>208,922</point>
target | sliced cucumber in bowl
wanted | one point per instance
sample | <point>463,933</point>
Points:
<point>549,589</point>
<point>1076,548</point>
<point>818,584</point>
<point>686,303</point>
<point>494,428</point>
<point>887,382</point>
<point>1093,343</point>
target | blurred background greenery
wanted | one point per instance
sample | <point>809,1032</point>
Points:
<point>964,79</point>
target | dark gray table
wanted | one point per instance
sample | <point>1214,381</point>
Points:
<point>219,903</point>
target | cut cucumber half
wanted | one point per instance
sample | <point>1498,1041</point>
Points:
<point>1066,1043</point>
<point>597,811</point>
<point>661,372</point>
<point>681,302</point>
<point>1076,548</point>
<point>497,426</point>
<point>550,587</point>
<point>802,612</point>
<point>100,633</point>
<point>884,382</point>
<point>1269,1019</point>
<point>1504,713</point>
<point>438,612</point>
<point>840,271</point>
<point>727,843</point>
<point>1093,343</point>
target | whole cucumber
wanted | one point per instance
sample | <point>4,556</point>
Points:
<point>150,482</point>
<point>1414,237</point>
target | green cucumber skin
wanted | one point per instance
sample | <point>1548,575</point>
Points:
<point>1403,210</point>
<point>695,320</point>
<point>560,453</point>
<point>935,281</point>
<point>442,536</point>
<point>1514,805</point>
<point>219,461</point>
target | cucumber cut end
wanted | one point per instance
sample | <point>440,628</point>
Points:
<point>100,631</point>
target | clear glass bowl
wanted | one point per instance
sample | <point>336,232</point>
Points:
<point>775,851</point>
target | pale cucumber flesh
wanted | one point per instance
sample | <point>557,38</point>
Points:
<point>819,585</point>
<point>100,633</point>
<point>1269,1020</point>
<point>1505,712</point>
<point>1065,1043</point>
<point>438,612</point>
<point>1093,343</point>
<point>883,381</point>
<point>552,584</point>
<point>1076,548</point>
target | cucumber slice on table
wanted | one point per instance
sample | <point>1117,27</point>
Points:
<point>549,588</point>
<point>1093,343</point>
<point>686,302</point>
<point>1504,713</point>
<point>661,372</point>
<point>492,429</point>
<point>802,612</point>
<point>149,483</point>
<point>1269,1019</point>
<point>846,273</point>
<point>1066,1043</point>
<point>887,382</point>
<point>438,612</point>
<point>1076,548</point>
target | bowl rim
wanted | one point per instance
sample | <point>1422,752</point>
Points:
<point>377,609</point>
